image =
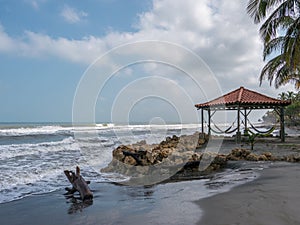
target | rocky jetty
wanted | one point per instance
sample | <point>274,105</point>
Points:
<point>184,155</point>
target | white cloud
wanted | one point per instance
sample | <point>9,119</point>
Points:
<point>35,4</point>
<point>71,15</point>
<point>6,42</point>
<point>219,31</point>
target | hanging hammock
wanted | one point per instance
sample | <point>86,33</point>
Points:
<point>227,131</point>
<point>259,131</point>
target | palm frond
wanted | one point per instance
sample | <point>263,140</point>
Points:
<point>270,69</point>
<point>282,77</point>
<point>280,33</point>
<point>273,46</point>
<point>279,18</point>
<point>292,45</point>
<point>257,9</point>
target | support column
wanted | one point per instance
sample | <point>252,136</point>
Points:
<point>209,124</point>
<point>238,133</point>
<point>282,131</point>
<point>246,125</point>
<point>202,122</point>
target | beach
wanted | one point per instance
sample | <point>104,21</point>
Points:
<point>273,198</point>
<point>32,184</point>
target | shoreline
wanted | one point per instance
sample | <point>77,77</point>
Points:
<point>165,203</point>
<point>272,198</point>
<point>183,202</point>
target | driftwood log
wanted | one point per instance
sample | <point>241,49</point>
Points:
<point>137,156</point>
<point>78,184</point>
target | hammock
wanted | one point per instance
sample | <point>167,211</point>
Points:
<point>227,131</point>
<point>259,131</point>
<point>222,132</point>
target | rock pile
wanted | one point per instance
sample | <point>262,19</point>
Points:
<point>180,155</point>
<point>173,148</point>
<point>245,154</point>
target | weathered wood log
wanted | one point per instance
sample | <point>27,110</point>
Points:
<point>136,156</point>
<point>78,184</point>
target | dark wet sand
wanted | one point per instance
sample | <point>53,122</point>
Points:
<point>170,203</point>
<point>274,198</point>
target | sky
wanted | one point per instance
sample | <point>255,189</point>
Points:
<point>120,61</point>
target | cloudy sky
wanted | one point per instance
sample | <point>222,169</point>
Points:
<point>137,60</point>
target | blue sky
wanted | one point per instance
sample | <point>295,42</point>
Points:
<point>42,88</point>
<point>47,46</point>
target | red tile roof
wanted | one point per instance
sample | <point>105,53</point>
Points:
<point>243,97</point>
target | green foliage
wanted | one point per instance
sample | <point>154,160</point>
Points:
<point>251,139</point>
<point>292,112</point>
<point>280,32</point>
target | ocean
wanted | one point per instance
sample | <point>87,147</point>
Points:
<point>34,156</point>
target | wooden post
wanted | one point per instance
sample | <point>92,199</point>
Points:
<point>238,133</point>
<point>245,119</point>
<point>209,130</point>
<point>202,122</point>
<point>282,131</point>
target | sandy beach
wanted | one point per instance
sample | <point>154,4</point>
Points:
<point>273,198</point>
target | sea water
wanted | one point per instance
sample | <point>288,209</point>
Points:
<point>34,156</point>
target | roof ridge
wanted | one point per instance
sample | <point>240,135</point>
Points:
<point>265,96</point>
<point>240,94</point>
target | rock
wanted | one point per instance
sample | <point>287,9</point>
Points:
<point>201,141</point>
<point>150,157</point>
<point>130,160</point>
<point>262,158</point>
<point>268,155</point>
<point>165,152</point>
<point>297,158</point>
<point>142,169</point>
<point>252,157</point>
<point>232,158</point>
<point>143,142</point>
<point>118,152</point>
<point>168,139</point>
<point>175,138</point>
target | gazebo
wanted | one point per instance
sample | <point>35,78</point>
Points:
<point>243,101</point>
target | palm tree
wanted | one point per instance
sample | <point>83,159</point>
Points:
<point>280,32</point>
<point>291,95</point>
<point>282,96</point>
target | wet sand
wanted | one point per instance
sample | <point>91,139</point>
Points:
<point>170,203</point>
<point>273,198</point>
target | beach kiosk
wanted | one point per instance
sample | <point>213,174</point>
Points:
<point>243,101</point>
